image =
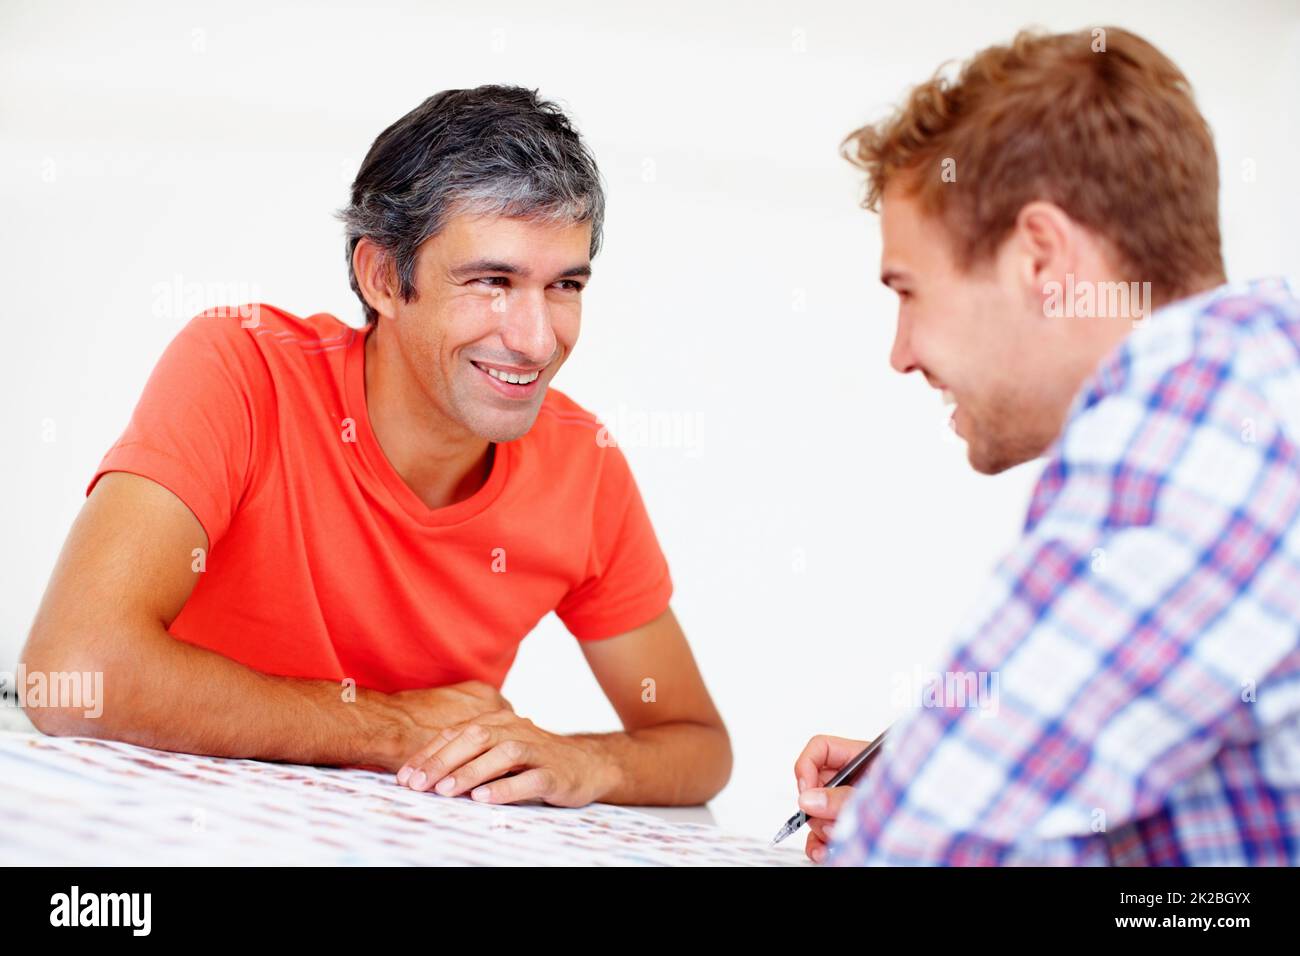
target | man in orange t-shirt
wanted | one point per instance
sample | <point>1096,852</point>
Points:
<point>323,544</point>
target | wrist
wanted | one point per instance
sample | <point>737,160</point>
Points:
<point>385,730</point>
<point>606,776</point>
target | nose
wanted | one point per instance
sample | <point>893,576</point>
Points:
<point>526,328</point>
<point>901,358</point>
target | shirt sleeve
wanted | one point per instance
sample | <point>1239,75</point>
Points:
<point>627,582</point>
<point>192,430</point>
<point>1116,649</point>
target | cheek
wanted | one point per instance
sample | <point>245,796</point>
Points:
<point>934,346</point>
<point>465,321</point>
<point>965,335</point>
<point>566,323</point>
<point>418,333</point>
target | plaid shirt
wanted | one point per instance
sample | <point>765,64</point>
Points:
<point>1144,634</point>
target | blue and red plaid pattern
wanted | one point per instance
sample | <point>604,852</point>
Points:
<point>1145,631</point>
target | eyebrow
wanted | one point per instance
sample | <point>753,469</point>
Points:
<point>509,268</point>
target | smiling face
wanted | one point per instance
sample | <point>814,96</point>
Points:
<point>497,312</point>
<point>979,336</point>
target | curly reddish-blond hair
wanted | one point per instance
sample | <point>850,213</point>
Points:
<point>1099,122</point>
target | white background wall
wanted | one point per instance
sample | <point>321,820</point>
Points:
<point>824,531</point>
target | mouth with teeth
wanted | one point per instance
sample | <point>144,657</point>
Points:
<point>514,383</point>
<point>950,401</point>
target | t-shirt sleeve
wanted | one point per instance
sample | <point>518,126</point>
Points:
<point>627,583</point>
<point>192,430</point>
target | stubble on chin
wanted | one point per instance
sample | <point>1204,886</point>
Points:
<point>504,428</point>
<point>999,438</point>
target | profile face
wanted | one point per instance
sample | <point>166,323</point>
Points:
<point>497,311</point>
<point>974,335</point>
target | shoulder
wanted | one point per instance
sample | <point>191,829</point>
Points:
<point>1210,360</point>
<point>255,343</point>
<point>570,439</point>
<point>563,410</point>
<point>1194,399</point>
<point>257,326</point>
<point>563,424</point>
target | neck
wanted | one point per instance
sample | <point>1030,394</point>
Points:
<point>1194,287</point>
<point>437,458</point>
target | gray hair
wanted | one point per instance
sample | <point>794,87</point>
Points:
<point>491,150</point>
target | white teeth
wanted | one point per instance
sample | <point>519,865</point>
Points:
<point>949,398</point>
<point>514,378</point>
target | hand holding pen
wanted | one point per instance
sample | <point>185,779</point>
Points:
<point>825,772</point>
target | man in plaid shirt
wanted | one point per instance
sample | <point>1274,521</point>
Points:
<point>1145,631</point>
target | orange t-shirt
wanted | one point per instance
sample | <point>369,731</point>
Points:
<point>323,563</point>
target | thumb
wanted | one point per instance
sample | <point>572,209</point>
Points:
<point>824,803</point>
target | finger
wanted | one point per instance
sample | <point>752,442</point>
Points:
<point>422,755</point>
<point>447,734</point>
<point>823,803</point>
<point>815,848</point>
<point>820,827</point>
<point>824,751</point>
<point>535,784</point>
<point>809,762</point>
<point>473,739</point>
<point>507,756</point>
<point>489,718</point>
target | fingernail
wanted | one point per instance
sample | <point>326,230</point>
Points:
<point>802,786</point>
<point>813,800</point>
<point>482,794</point>
<point>446,785</point>
<point>819,854</point>
<point>404,775</point>
<point>419,780</point>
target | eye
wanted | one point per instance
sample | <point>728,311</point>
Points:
<point>496,282</point>
<point>570,285</point>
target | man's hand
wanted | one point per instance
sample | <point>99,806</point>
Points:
<point>501,757</point>
<point>821,760</point>
<point>429,711</point>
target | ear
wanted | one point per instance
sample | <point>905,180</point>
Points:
<point>1047,242</point>
<point>376,276</point>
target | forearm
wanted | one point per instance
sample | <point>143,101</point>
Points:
<point>672,764</point>
<point>170,695</point>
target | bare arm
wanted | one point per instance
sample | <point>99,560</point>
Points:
<point>674,748</point>
<point>123,576</point>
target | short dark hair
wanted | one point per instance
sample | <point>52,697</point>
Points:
<point>490,150</point>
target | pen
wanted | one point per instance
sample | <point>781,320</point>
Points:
<point>846,776</point>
